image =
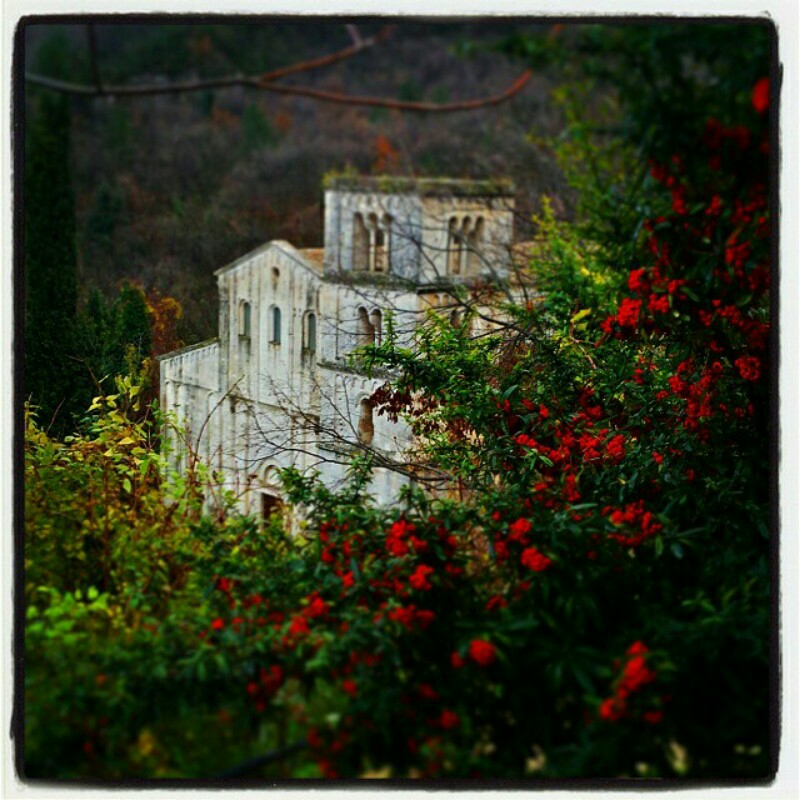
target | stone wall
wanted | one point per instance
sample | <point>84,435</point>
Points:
<point>279,387</point>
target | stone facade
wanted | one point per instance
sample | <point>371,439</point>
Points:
<point>278,386</point>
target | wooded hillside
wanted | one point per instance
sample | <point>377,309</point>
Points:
<point>169,188</point>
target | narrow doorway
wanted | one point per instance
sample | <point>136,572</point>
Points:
<point>270,506</point>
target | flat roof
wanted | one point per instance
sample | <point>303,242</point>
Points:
<point>425,187</point>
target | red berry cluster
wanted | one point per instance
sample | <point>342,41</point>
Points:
<point>634,676</point>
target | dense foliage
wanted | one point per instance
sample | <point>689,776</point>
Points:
<point>73,344</point>
<point>117,566</point>
<point>593,600</point>
<point>51,291</point>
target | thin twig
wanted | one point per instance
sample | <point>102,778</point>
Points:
<point>354,34</point>
<point>358,45</point>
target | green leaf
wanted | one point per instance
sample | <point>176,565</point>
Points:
<point>526,623</point>
<point>582,679</point>
<point>584,312</point>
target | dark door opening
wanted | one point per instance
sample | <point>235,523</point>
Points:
<point>270,506</point>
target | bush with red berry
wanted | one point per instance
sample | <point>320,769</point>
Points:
<point>589,596</point>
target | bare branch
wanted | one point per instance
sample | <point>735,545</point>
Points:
<point>65,87</point>
<point>354,34</point>
<point>267,82</point>
<point>401,105</point>
<point>358,45</point>
<point>178,87</point>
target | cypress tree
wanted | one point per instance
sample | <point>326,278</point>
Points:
<point>51,369</point>
<point>95,328</point>
<point>132,336</point>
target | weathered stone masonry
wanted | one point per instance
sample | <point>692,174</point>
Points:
<point>276,388</point>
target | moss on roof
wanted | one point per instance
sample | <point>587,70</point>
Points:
<point>425,187</point>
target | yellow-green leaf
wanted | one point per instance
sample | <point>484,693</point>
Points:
<point>584,312</point>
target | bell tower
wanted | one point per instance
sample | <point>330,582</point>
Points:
<point>423,230</point>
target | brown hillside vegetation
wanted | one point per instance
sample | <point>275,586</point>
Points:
<point>171,187</point>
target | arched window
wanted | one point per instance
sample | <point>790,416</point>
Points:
<point>311,332</point>
<point>372,242</point>
<point>475,241</point>
<point>366,426</point>
<point>466,225</point>
<point>373,232</point>
<point>380,250</point>
<point>455,247</point>
<point>376,323</point>
<point>275,332</point>
<point>365,327</point>
<point>244,318</point>
<point>383,246</point>
<point>360,243</point>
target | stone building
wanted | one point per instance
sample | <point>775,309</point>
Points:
<point>278,386</point>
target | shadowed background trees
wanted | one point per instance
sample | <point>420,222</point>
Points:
<point>169,187</point>
<point>51,285</point>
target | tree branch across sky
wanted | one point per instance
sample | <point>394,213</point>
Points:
<point>267,82</point>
